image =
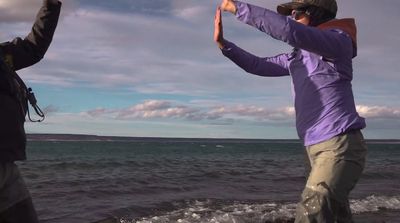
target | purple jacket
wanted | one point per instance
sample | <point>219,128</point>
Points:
<point>320,66</point>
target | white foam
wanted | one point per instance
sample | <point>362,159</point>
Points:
<point>205,212</point>
<point>375,203</point>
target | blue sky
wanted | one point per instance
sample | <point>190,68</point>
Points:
<point>151,68</point>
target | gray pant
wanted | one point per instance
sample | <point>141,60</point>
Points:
<point>336,166</point>
<point>15,202</point>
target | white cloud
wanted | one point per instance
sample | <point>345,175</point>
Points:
<point>18,10</point>
<point>50,109</point>
<point>25,10</point>
<point>192,13</point>
<point>157,109</point>
<point>378,112</point>
<point>152,109</point>
<point>255,112</point>
<point>176,119</point>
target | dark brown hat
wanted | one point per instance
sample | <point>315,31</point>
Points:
<point>329,5</point>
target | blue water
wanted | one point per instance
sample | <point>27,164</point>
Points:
<point>190,181</point>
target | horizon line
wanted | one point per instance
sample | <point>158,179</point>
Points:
<point>38,136</point>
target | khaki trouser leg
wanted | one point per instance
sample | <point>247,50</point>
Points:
<point>336,166</point>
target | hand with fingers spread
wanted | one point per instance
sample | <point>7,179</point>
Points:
<point>218,29</point>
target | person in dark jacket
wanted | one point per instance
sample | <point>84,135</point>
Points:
<point>321,70</point>
<point>15,200</point>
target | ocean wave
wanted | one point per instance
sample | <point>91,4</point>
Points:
<point>209,212</point>
<point>375,203</point>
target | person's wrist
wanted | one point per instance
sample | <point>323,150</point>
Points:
<point>234,7</point>
<point>221,44</point>
<point>231,7</point>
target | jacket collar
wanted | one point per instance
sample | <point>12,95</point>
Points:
<point>347,25</point>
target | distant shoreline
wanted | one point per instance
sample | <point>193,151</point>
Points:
<point>88,138</point>
<point>79,137</point>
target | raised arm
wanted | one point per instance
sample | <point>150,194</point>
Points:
<point>30,50</point>
<point>329,43</point>
<point>267,67</point>
<point>271,66</point>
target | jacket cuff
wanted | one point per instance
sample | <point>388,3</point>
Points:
<point>227,46</point>
<point>238,4</point>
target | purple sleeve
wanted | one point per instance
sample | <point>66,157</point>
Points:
<point>327,43</point>
<point>269,66</point>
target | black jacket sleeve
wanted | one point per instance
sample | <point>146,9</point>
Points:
<point>28,51</point>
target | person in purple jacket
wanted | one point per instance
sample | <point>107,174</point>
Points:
<point>320,66</point>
